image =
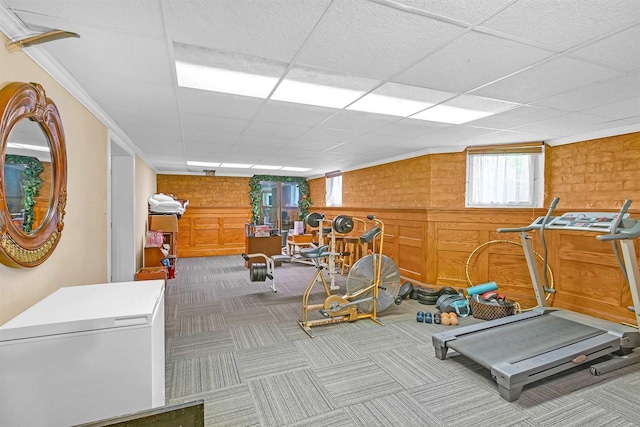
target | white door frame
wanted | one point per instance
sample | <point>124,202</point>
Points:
<point>121,213</point>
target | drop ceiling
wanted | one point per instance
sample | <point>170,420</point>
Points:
<point>476,73</point>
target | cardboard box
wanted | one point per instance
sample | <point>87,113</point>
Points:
<point>152,273</point>
<point>167,223</point>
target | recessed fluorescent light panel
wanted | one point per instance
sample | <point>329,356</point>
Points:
<point>203,164</point>
<point>292,169</point>
<point>266,167</point>
<point>227,72</point>
<point>322,88</point>
<point>399,100</point>
<point>236,165</point>
<point>463,109</point>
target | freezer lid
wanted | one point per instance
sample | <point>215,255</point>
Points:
<point>87,308</point>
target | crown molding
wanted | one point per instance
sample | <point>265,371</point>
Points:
<point>605,133</point>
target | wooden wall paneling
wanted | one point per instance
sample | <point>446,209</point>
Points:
<point>212,231</point>
<point>207,230</point>
<point>449,269</point>
<point>409,254</point>
<point>430,253</point>
<point>590,280</point>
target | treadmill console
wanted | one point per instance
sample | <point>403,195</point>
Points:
<point>584,221</point>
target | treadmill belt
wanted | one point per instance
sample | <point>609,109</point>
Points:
<point>517,341</point>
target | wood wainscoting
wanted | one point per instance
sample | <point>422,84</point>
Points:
<point>433,247</point>
<point>206,231</point>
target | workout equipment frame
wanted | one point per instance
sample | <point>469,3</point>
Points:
<point>527,347</point>
<point>260,272</point>
<point>345,308</point>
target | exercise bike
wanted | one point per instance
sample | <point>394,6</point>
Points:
<point>372,284</point>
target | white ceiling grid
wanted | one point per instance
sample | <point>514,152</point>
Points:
<point>554,70</point>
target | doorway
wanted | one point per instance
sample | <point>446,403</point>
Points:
<point>122,255</point>
<point>279,209</point>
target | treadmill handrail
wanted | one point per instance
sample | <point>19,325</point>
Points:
<point>536,224</point>
<point>516,230</point>
<point>623,234</point>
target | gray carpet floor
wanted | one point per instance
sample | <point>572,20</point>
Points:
<point>237,345</point>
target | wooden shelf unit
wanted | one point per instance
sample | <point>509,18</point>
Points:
<point>153,256</point>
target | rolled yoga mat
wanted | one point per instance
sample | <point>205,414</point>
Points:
<point>480,289</point>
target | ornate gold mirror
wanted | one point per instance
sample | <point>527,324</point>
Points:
<point>33,175</point>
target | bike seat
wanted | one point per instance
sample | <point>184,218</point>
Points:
<point>318,252</point>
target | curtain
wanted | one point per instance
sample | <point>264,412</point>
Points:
<point>334,191</point>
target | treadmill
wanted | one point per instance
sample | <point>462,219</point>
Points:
<point>532,345</point>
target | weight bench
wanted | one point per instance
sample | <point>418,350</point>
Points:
<point>260,271</point>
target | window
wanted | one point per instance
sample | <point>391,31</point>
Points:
<point>505,176</point>
<point>334,189</point>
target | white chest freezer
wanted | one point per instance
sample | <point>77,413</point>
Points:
<point>84,353</point>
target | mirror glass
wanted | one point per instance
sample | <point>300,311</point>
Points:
<point>28,176</point>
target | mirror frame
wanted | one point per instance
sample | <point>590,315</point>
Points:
<point>22,101</point>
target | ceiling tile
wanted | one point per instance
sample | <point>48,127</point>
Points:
<point>164,168</point>
<point>618,51</point>
<point>271,143</point>
<point>410,128</point>
<point>329,135</point>
<point>134,16</point>
<point>364,155</point>
<point>375,140</point>
<point>628,108</point>
<point>269,28</point>
<point>149,96</point>
<point>167,159</point>
<point>301,148</point>
<point>444,137</point>
<point>164,149</point>
<point>194,101</point>
<point>595,94</point>
<point>206,151</point>
<point>547,79</point>
<point>243,150</point>
<point>146,127</point>
<point>564,24</point>
<point>210,128</point>
<point>463,10</point>
<point>517,117</point>
<point>275,130</point>
<point>371,39</point>
<point>126,55</point>
<point>356,121</point>
<point>290,113</point>
<point>471,61</point>
<point>308,146</point>
<point>567,125</point>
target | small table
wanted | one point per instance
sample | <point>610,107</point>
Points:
<point>297,241</point>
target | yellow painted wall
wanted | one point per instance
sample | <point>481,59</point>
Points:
<point>81,255</point>
<point>145,186</point>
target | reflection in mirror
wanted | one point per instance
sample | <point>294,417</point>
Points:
<point>28,176</point>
